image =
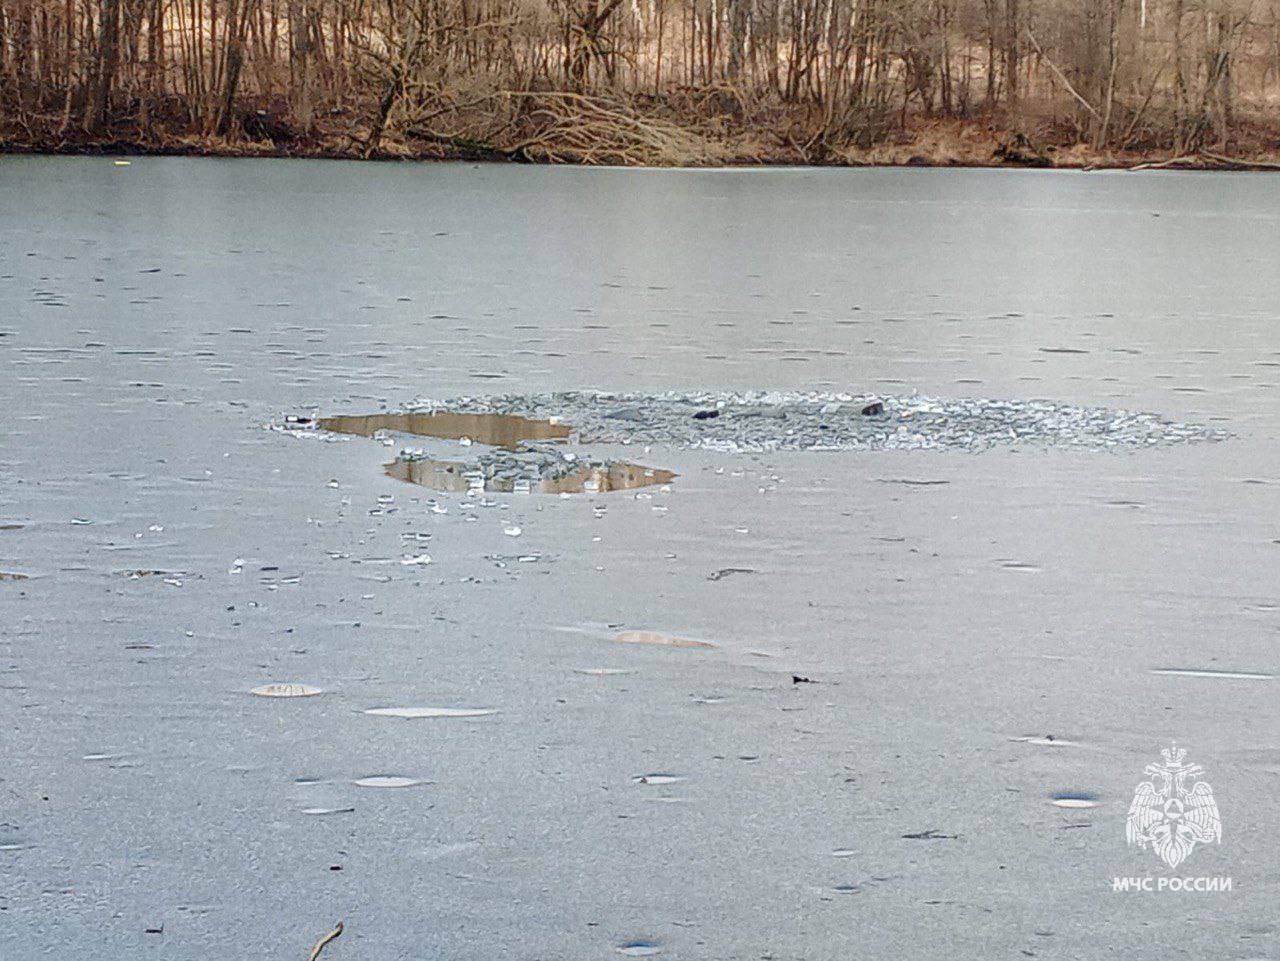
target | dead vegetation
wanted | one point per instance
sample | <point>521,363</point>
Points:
<point>320,945</point>
<point>653,82</point>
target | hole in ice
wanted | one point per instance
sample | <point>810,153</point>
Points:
<point>497,430</point>
<point>458,476</point>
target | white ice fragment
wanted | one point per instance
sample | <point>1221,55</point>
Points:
<point>286,689</point>
<point>419,712</point>
<point>387,780</point>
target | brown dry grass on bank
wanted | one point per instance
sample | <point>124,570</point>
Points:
<point>684,129</point>
<point>949,144</point>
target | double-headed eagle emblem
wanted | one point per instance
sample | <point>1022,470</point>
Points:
<point>1167,815</point>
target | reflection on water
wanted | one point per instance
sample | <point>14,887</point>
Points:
<point>439,475</point>
<point>442,475</point>
<point>616,476</point>
<point>497,430</point>
<point>527,456</point>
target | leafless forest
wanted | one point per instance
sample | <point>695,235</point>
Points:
<point>649,81</point>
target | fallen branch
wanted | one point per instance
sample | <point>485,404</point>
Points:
<point>475,149</point>
<point>1206,158</point>
<point>1241,164</point>
<point>568,126</point>
<point>1062,76</point>
<point>1180,161</point>
<point>315,952</point>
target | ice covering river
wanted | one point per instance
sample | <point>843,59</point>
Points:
<point>823,704</point>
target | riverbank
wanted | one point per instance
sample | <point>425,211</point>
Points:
<point>980,142</point>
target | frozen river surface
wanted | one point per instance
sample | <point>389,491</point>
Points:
<point>986,633</point>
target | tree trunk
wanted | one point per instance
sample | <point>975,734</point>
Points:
<point>1012,53</point>
<point>235,61</point>
<point>300,52</point>
<point>105,66</point>
<point>739,18</point>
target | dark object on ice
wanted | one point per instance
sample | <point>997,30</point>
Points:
<point>873,408</point>
<point>706,414</point>
<point>298,420</point>
<point>797,679</point>
<point>933,834</point>
<point>726,571</point>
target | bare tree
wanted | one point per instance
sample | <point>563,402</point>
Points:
<point>812,77</point>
